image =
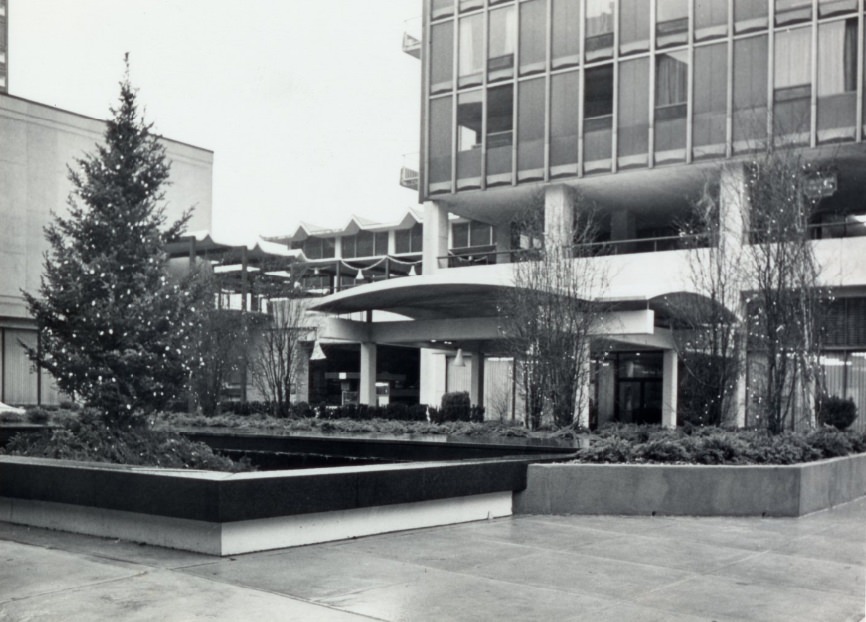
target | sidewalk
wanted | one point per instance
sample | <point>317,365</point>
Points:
<point>547,568</point>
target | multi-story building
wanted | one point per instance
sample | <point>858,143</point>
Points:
<point>634,105</point>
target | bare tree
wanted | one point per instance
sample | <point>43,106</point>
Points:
<point>708,329</point>
<point>277,357</point>
<point>784,302</point>
<point>549,316</point>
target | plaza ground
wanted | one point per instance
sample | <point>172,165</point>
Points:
<point>547,568</point>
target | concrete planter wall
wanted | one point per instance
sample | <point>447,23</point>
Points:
<point>691,490</point>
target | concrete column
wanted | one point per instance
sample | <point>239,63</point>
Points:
<point>623,226</point>
<point>476,379</point>
<point>669,389</point>
<point>432,377</point>
<point>368,374</point>
<point>435,235</point>
<point>502,241</point>
<point>559,217</point>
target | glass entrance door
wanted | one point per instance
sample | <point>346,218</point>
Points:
<point>639,387</point>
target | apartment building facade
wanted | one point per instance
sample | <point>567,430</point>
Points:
<point>633,106</point>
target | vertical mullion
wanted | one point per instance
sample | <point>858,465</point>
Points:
<point>614,133</point>
<point>813,77</point>
<point>515,106</point>
<point>548,108</point>
<point>485,32</point>
<point>729,78</point>
<point>581,83</point>
<point>651,138</point>
<point>455,80</point>
<point>690,82</point>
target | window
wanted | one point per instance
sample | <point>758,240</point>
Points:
<point>672,22</point>
<point>835,7</point>
<point>598,111</point>
<point>532,36</point>
<point>460,235</point>
<point>469,109</point>
<point>471,234</point>
<point>790,11</point>
<point>634,26</point>
<point>710,100</point>
<point>672,81</point>
<point>566,33</point>
<point>530,129</point>
<point>792,81</point>
<point>711,19</point>
<point>364,244</point>
<point>837,79</point>
<point>564,120</point>
<point>440,144</point>
<point>470,5</point>
<point>749,15</point>
<point>633,123</point>
<point>750,92</point>
<point>441,8</point>
<point>500,126</point>
<point>599,29</point>
<point>500,59</point>
<point>471,50</point>
<point>441,57</point>
<point>409,240</point>
<point>319,248</point>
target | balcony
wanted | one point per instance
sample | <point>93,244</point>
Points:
<point>412,37</point>
<point>409,171</point>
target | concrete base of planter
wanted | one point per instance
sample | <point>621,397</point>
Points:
<point>252,535</point>
<point>691,490</point>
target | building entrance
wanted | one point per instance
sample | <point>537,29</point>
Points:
<point>639,387</point>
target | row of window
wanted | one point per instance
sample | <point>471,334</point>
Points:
<point>510,126</point>
<point>370,244</point>
<point>527,22</point>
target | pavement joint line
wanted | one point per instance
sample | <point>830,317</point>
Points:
<point>293,597</point>
<point>77,588</point>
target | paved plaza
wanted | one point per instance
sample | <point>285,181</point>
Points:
<point>670,569</point>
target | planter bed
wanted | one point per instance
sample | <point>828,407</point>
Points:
<point>226,514</point>
<point>694,490</point>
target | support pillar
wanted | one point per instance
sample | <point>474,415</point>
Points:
<point>367,389</point>
<point>669,389</point>
<point>435,235</point>
<point>559,217</point>
<point>623,226</point>
<point>476,379</point>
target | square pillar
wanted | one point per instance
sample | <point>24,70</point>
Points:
<point>559,216</point>
<point>435,235</point>
<point>476,379</point>
<point>367,389</point>
<point>669,389</point>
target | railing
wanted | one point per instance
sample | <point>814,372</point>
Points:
<point>409,171</point>
<point>412,37</point>
<point>475,257</point>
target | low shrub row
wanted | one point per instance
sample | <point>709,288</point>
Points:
<point>650,444</point>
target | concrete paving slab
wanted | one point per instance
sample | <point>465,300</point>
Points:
<point>677,569</point>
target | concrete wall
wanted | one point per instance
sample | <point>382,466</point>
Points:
<point>37,142</point>
<point>691,490</point>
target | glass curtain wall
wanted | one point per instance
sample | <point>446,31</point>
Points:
<point>530,130</point>
<point>792,11</point>
<point>709,107</point>
<point>672,87</point>
<point>836,7</point>
<point>439,147</point>
<point>469,125</point>
<point>672,22</point>
<point>442,57</point>
<point>598,118</point>
<point>502,44</point>
<point>533,24</point>
<point>566,33</point>
<point>634,26</point>
<point>633,106</point>
<point>565,93</point>
<point>500,126</point>
<point>792,85</point>
<point>750,92</point>
<point>599,30</point>
<point>711,19</point>
<point>750,15</point>
<point>470,51</point>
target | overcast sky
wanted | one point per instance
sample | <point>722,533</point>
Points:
<point>309,105</point>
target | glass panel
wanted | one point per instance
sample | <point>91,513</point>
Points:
<point>790,11</point>
<point>833,368</point>
<point>710,99</point>
<point>460,235</point>
<point>329,247</point>
<point>640,365</point>
<point>711,19</point>
<point>530,127</point>
<point>364,244</point>
<point>381,243</point>
<point>856,385</point>
<point>479,233</point>
<point>347,246</point>
<point>750,15</point>
<point>469,5</point>
<point>835,7</point>
<point>442,57</point>
<point>599,29</point>
<point>634,26</point>
<point>566,33</point>
<point>672,22</point>
<point>471,51</point>
<point>441,8</point>
<point>837,79</point>
<point>503,30</point>
<point>750,92</point>
<point>564,120</point>
<point>633,124</point>
<point>402,241</point>
<point>532,30</point>
<point>469,137</point>
<point>19,381</point>
<point>672,82</point>
<point>440,142</point>
<point>598,114</point>
<point>416,238</point>
<point>792,84</point>
<point>500,126</point>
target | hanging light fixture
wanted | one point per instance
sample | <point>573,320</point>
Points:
<point>316,272</point>
<point>360,275</point>
<point>318,354</point>
<point>458,360</point>
<point>412,271</point>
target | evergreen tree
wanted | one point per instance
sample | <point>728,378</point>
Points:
<point>115,327</point>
